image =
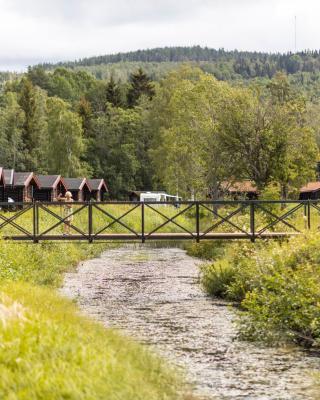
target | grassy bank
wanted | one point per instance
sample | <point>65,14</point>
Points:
<point>278,284</point>
<point>49,351</point>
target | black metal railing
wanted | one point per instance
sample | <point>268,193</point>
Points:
<point>143,221</point>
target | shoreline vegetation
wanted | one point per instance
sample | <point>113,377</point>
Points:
<point>43,335</point>
<point>50,351</point>
<point>275,283</point>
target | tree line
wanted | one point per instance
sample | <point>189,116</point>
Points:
<point>246,64</point>
<point>188,133</point>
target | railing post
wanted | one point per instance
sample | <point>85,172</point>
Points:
<point>143,239</point>
<point>252,222</point>
<point>309,215</point>
<point>90,222</point>
<point>35,222</point>
<point>197,222</point>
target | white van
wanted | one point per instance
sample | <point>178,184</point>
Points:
<point>159,197</point>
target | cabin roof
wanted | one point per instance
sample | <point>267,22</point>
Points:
<point>50,181</point>
<point>310,187</point>
<point>23,179</point>
<point>8,176</point>
<point>240,187</point>
<point>76,183</point>
<point>97,184</point>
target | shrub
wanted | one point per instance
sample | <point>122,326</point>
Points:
<point>278,284</point>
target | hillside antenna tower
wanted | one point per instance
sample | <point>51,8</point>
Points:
<point>295,33</point>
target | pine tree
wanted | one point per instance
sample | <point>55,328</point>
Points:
<point>140,84</point>
<point>113,93</point>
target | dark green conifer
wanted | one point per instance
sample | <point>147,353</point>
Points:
<point>140,84</point>
<point>113,93</point>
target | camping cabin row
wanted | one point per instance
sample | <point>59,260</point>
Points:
<point>26,187</point>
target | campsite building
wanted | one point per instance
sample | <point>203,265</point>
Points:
<point>50,188</point>
<point>19,186</point>
<point>98,189</point>
<point>240,190</point>
<point>79,187</point>
<point>311,191</point>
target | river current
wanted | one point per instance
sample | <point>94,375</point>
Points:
<point>154,296</point>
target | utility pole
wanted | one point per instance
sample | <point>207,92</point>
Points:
<point>295,33</point>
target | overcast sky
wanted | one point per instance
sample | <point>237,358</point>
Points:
<point>33,31</point>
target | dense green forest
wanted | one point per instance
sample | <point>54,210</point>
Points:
<point>247,64</point>
<point>302,68</point>
<point>187,130</point>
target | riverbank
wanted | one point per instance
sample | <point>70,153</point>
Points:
<point>154,295</point>
<point>277,284</point>
<point>49,351</point>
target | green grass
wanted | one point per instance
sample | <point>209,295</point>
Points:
<point>48,350</point>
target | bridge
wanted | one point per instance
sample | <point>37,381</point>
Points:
<point>145,221</point>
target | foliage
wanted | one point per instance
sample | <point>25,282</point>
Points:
<point>117,150</point>
<point>140,84</point>
<point>12,119</point>
<point>189,133</point>
<point>65,145</point>
<point>243,63</point>
<point>276,283</point>
<point>206,133</point>
<point>210,250</point>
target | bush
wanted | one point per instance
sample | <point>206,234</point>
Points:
<point>278,284</point>
<point>210,250</point>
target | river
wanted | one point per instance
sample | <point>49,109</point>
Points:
<point>153,295</point>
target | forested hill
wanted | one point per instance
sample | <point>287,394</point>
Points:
<point>116,121</point>
<point>244,63</point>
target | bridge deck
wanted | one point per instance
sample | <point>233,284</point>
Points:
<point>159,236</point>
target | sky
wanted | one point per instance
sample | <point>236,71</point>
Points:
<point>34,31</point>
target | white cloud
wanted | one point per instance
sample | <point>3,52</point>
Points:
<point>46,30</point>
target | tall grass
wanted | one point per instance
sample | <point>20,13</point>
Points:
<point>49,351</point>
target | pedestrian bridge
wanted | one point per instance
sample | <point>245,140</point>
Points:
<point>145,221</point>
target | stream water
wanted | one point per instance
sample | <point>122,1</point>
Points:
<point>153,295</point>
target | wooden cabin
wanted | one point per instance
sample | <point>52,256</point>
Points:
<point>311,191</point>
<point>50,187</point>
<point>98,189</point>
<point>20,186</point>
<point>240,190</point>
<point>79,187</point>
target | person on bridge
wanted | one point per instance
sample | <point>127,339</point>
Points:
<point>67,212</point>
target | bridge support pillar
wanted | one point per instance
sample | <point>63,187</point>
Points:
<point>143,239</point>
<point>252,223</point>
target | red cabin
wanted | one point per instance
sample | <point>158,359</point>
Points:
<point>311,191</point>
<point>98,189</point>
<point>20,186</point>
<point>240,190</point>
<point>50,187</point>
<point>79,187</point>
